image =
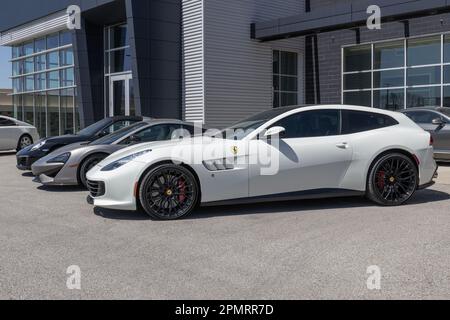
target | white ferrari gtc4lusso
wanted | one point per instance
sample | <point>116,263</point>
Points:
<point>281,154</point>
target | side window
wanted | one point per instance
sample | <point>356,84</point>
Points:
<point>422,116</point>
<point>306,124</point>
<point>7,123</point>
<point>360,121</point>
<point>159,132</point>
<point>119,125</point>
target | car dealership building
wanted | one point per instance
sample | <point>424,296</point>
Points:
<point>218,61</point>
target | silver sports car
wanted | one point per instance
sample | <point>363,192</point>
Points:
<point>69,165</point>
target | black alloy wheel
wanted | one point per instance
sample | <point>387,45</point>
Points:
<point>393,180</point>
<point>169,192</point>
<point>88,164</point>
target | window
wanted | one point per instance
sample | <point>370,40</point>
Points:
<point>41,69</point>
<point>311,124</point>
<point>155,133</point>
<point>28,48</point>
<point>53,41</point>
<point>359,121</point>
<point>52,60</point>
<point>65,38</point>
<point>399,74</point>
<point>285,78</point>
<point>40,45</point>
<point>118,125</point>
<point>422,116</point>
<point>66,57</point>
<point>6,122</point>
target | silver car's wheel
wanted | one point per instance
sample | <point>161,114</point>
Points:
<point>169,192</point>
<point>24,142</point>
<point>88,164</point>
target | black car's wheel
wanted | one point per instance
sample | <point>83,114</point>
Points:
<point>168,192</point>
<point>393,179</point>
<point>24,142</point>
<point>87,165</point>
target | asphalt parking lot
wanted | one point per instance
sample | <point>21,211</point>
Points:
<point>317,249</point>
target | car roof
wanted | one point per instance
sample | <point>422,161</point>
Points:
<point>132,118</point>
<point>162,121</point>
<point>9,118</point>
<point>426,109</point>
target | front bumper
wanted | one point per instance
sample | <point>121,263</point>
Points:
<point>114,189</point>
<point>24,163</point>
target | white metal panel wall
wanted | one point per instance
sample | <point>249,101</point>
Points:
<point>238,70</point>
<point>193,98</point>
<point>53,23</point>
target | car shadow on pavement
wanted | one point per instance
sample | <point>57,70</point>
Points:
<point>61,189</point>
<point>7,153</point>
<point>28,175</point>
<point>421,197</point>
<point>120,214</point>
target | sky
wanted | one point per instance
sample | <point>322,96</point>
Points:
<point>5,67</point>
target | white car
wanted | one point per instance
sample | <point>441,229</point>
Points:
<point>323,151</point>
<point>15,134</point>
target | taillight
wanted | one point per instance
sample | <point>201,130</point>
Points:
<point>431,140</point>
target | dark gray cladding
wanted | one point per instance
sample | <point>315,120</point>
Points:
<point>344,15</point>
<point>155,37</point>
<point>28,10</point>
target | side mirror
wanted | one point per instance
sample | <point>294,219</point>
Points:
<point>103,133</point>
<point>438,122</point>
<point>134,139</point>
<point>274,131</point>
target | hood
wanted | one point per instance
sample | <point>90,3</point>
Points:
<point>70,148</point>
<point>66,139</point>
<point>157,145</point>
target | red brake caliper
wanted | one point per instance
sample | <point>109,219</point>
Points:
<point>381,176</point>
<point>182,189</point>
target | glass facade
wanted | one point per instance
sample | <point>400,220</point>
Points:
<point>44,92</point>
<point>285,78</point>
<point>398,74</point>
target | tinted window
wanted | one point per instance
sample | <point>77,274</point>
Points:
<point>155,133</point>
<point>6,122</point>
<point>318,123</point>
<point>359,121</point>
<point>111,138</point>
<point>119,125</point>
<point>422,116</point>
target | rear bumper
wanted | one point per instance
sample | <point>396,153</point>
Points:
<point>432,182</point>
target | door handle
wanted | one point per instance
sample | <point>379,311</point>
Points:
<point>343,145</point>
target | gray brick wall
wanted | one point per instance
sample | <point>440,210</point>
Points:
<point>330,44</point>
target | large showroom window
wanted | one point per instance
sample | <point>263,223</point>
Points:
<point>44,91</point>
<point>285,78</point>
<point>398,74</point>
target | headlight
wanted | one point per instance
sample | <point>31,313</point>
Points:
<point>62,158</point>
<point>117,164</point>
<point>38,145</point>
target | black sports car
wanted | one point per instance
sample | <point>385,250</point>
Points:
<point>29,155</point>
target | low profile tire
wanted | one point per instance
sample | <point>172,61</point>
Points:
<point>393,180</point>
<point>87,165</point>
<point>24,142</point>
<point>168,192</point>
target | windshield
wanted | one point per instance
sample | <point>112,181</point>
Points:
<point>242,129</point>
<point>119,134</point>
<point>94,128</point>
<point>445,111</point>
